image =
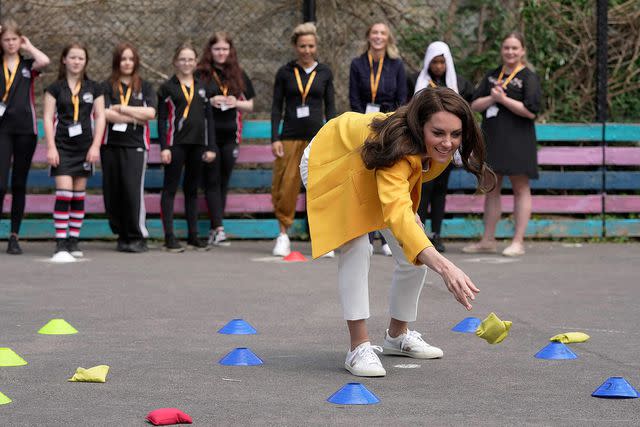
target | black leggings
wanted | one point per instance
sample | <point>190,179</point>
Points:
<point>21,148</point>
<point>216,177</point>
<point>434,193</point>
<point>189,156</point>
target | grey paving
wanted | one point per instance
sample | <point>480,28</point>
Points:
<point>153,318</point>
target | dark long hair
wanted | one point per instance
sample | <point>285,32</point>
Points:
<point>401,134</point>
<point>231,71</point>
<point>62,70</point>
<point>114,79</point>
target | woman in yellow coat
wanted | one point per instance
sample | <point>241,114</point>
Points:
<point>364,172</point>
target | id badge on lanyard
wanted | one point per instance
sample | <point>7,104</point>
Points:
<point>75,130</point>
<point>492,111</point>
<point>3,108</point>
<point>302,111</point>
<point>372,108</point>
<point>119,127</point>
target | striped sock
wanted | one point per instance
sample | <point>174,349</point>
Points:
<point>76,214</point>
<point>61,212</point>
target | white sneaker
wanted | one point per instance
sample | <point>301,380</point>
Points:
<point>370,249</point>
<point>331,254</point>
<point>218,238</point>
<point>283,246</point>
<point>386,250</point>
<point>364,362</point>
<point>410,344</point>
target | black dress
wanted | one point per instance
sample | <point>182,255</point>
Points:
<point>511,139</point>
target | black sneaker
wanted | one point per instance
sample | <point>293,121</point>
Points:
<point>171,244</point>
<point>122,246</point>
<point>13,247</point>
<point>62,245</point>
<point>437,243</point>
<point>137,246</point>
<point>196,244</point>
<point>74,248</point>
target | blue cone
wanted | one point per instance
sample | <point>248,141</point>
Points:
<point>241,357</point>
<point>616,387</point>
<point>353,394</point>
<point>467,325</point>
<point>556,351</point>
<point>237,327</point>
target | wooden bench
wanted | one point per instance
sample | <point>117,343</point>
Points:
<point>570,188</point>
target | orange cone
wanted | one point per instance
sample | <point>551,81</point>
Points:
<point>295,256</point>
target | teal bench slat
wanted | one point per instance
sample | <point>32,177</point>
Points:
<point>615,132</point>
<point>622,227</point>
<point>541,228</point>
<point>568,132</point>
<point>99,228</point>
<point>619,180</point>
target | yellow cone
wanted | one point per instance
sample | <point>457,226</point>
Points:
<point>57,327</point>
<point>97,374</point>
<point>9,357</point>
<point>570,337</point>
<point>4,399</point>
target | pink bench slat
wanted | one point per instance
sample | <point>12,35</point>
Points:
<point>236,203</point>
<point>570,156</point>
<point>462,203</point>
<point>248,154</point>
<point>623,156</point>
<point>622,204</point>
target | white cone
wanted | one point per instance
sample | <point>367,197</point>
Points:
<point>62,257</point>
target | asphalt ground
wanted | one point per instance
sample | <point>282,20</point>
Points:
<point>153,318</point>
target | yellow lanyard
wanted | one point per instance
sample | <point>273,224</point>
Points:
<point>223,88</point>
<point>124,99</point>
<point>188,95</point>
<point>75,99</point>
<point>374,82</point>
<point>304,92</point>
<point>432,84</point>
<point>8,79</point>
<point>511,76</point>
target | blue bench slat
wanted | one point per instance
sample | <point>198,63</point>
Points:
<point>463,180</point>
<point>99,228</point>
<point>615,132</point>
<point>568,132</point>
<point>622,180</point>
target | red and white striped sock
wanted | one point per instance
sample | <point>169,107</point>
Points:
<point>76,214</point>
<point>61,212</point>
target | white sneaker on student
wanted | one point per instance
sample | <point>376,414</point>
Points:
<point>410,344</point>
<point>386,250</point>
<point>364,362</point>
<point>283,246</point>
<point>218,238</point>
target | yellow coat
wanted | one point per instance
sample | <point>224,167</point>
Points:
<point>346,200</point>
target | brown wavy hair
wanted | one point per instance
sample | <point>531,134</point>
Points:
<point>231,71</point>
<point>62,70</point>
<point>114,79</point>
<point>402,134</point>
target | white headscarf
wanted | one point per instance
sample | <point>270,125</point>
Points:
<point>436,49</point>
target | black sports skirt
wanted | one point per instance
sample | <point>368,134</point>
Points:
<point>72,163</point>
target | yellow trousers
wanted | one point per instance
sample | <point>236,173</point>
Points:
<point>285,185</point>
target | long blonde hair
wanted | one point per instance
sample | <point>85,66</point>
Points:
<point>392,48</point>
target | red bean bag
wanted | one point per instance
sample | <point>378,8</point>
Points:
<point>167,416</point>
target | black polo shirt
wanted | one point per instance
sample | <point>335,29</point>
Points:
<point>20,115</point>
<point>197,128</point>
<point>134,136</point>
<point>89,92</point>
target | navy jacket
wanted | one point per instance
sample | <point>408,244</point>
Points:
<point>392,91</point>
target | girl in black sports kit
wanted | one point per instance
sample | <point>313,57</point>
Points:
<point>233,95</point>
<point>73,106</point>
<point>130,103</point>
<point>187,137</point>
<point>18,127</point>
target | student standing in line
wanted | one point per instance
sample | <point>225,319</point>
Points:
<point>509,99</point>
<point>18,127</point>
<point>438,70</point>
<point>74,125</point>
<point>232,95</point>
<point>364,172</point>
<point>304,87</point>
<point>130,103</point>
<point>377,81</point>
<point>187,138</point>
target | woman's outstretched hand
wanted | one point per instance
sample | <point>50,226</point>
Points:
<point>458,283</point>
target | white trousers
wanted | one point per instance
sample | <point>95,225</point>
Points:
<point>353,280</point>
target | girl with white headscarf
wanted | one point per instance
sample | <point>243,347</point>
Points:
<point>437,70</point>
